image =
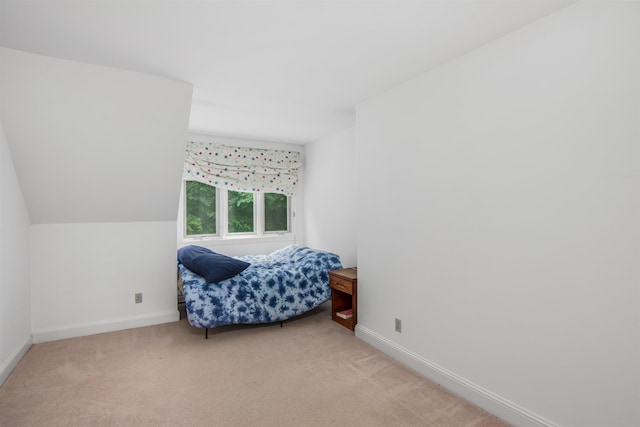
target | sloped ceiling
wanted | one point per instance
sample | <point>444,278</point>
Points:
<point>93,144</point>
<point>289,71</point>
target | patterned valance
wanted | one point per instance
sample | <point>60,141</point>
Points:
<point>241,168</point>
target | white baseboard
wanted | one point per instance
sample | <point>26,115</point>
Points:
<point>12,361</point>
<point>492,403</point>
<point>45,335</point>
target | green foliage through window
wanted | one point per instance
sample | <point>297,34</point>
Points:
<point>237,216</point>
<point>201,208</point>
<point>240,206</point>
<point>276,213</point>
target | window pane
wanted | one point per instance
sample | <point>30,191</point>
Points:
<point>240,212</point>
<point>201,208</point>
<point>276,212</point>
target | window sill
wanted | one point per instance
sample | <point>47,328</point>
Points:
<point>287,238</point>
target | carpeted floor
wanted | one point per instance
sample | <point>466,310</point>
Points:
<point>311,372</point>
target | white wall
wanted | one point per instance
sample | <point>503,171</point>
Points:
<point>99,153</point>
<point>85,277</point>
<point>330,194</point>
<point>92,143</point>
<point>513,174</point>
<point>15,300</point>
<point>249,245</point>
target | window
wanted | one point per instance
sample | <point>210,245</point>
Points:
<point>276,212</point>
<point>240,212</point>
<point>201,209</point>
<point>211,211</point>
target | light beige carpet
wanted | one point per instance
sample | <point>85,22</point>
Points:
<point>311,372</point>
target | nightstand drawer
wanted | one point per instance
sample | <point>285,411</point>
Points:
<point>341,285</point>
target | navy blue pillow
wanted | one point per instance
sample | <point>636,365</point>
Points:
<point>212,266</point>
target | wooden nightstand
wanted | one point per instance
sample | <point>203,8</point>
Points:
<point>344,295</point>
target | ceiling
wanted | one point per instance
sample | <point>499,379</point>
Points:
<point>289,71</point>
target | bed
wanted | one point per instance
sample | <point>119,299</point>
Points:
<point>268,288</point>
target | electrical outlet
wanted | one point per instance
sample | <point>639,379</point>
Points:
<point>398,325</point>
<point>139,298</point>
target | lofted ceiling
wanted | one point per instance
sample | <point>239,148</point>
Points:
<point>290,71</point>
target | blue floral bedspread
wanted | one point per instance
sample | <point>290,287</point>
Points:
<point>275,287</point>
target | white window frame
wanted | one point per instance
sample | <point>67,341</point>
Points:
<point>224,215</point>
<point>290,215</point>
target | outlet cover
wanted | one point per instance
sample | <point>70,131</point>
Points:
<point>398,325</point>
<point>139,298</point>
